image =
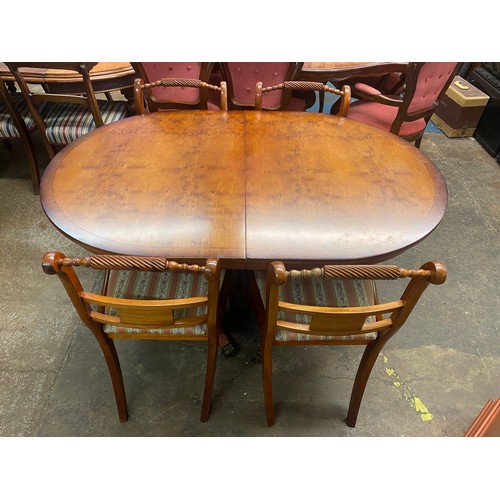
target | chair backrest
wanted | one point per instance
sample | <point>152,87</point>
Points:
<point>86,99</point>
<point>175,96</point>
<point>143,314</point>
<point>13,125</point>
<point>344,93</point>
<point>425,85</point>
<point>145,101</point>
<point>355,322</point>
<point>242,77</point>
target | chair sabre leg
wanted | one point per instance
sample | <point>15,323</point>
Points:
<point>267,378</point>
<point>209,380</point>
<point>366,364</point>
<point>111,358</point>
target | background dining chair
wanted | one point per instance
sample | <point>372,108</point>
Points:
<point>145,102</point>
<point>175,96</point>
<point>406,114</point>
<point>345,93</point>
<point>334,305</point>
<point>66,117</point>
<point>390,83</point>
<point>242,77</point>
<point>16,123</point>
<point>145,298</point>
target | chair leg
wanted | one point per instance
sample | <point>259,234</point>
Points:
<point>366,364</point>
<point>110,355</point>
<point>209,379</point>
<point>321,101</point>
<point>33,164</point>
<point>267,379</point>
<point>227,347</point>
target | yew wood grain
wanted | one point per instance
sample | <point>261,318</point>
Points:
<point>153,185</point>
<point>336,190</point>
<point>248,187</point>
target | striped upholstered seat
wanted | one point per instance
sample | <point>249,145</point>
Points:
<point>7,127</point>
<point>320,292</point>
<point>66,122</point>
<point>146,285</point>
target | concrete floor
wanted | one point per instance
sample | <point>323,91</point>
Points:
<point>432,380</point>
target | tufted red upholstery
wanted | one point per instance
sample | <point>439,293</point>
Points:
<point>242,77</point>
<point>383,117</point>
<point>406,115</point>
<point>158,70</point>
<point>431,80</point>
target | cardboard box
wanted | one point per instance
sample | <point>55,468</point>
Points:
<point>460,109</point>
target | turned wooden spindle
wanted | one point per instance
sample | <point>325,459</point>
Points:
<point>368,272</point>
<point>129,262</point>
<point>181,82</point>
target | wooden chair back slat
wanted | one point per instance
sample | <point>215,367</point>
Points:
<point>146,102</point>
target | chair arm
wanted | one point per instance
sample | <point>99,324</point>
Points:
<point>364,91</point>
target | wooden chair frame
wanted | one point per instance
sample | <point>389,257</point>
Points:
<point>145,102</point>
<point>142,314</point>
<point>24,135</point>
<point>88,100</point>
<point>339,322</point>
<point>344,93</point>
<point>411,78</point>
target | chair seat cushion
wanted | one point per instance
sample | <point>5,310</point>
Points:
<point>320,292</point>
<point>67,122</point>
<point>382,116</point>
<point>7,127</point>
<point>147,285</point>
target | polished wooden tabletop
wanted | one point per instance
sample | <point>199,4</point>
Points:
<point>246,186</point>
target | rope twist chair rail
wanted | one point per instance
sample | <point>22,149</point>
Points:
<point>182,82</point>
<point>299,85</point>
<point>382,272</point>
<point>126,262</point>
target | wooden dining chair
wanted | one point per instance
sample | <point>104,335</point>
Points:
<point>145,298</point>
<point>334,305</point>
<point>17,123</point>
<point>242,77</point>
<point>406,114</point>
<point>63,118</point>
<point>145,101</point>
<point>162,97</point>
<point>344,93</point>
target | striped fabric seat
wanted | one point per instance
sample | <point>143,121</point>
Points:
<point>147,285</point>
<point>319,292</point>
<point>7,127</point>
<point>67,122</point>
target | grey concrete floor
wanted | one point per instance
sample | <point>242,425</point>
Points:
<point>432,379</point>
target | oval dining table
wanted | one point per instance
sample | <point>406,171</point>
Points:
<point>248,187</point>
